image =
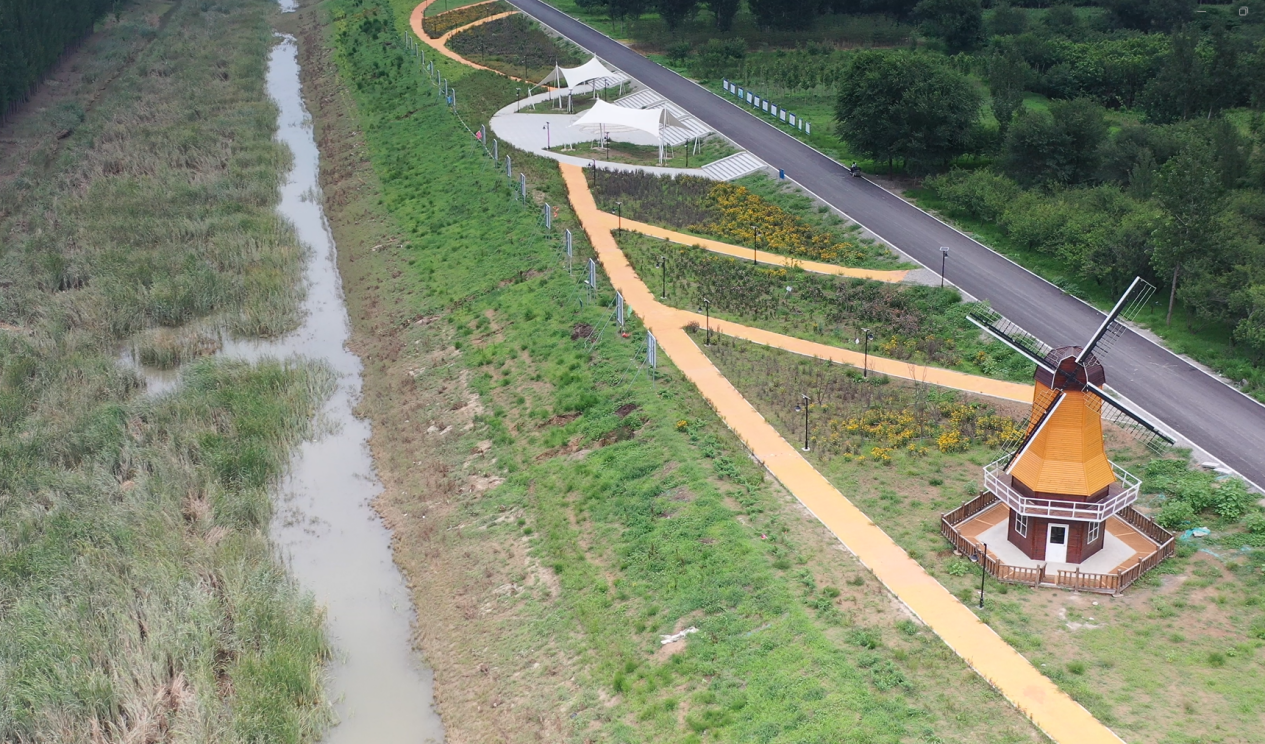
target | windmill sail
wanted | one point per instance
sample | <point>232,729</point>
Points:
<point>1112,327</point>
<point>1010,334</point>
<point>1137,425</point>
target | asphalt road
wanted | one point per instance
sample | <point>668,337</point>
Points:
<point>1201,408</point>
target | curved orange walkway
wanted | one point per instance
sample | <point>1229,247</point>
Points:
<point>764,257</point>
<point>440,44</point>
<point>1052,710</point>
<point>948,378</point>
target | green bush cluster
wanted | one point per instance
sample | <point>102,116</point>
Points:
<point>1190,494</point>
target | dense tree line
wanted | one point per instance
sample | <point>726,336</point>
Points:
<point>33,34</point>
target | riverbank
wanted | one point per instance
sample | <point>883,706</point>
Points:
<point>555,512</point>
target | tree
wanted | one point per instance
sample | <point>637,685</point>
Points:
<point>958,23</point>
<point>1063,145</point>
<point>785,13</point>
<point>724,10</point>
<point>1150,15</point>
<point>1007,20</point>
<point>674,12</point>
<point>1062,20</point>
<point>1007,76</point>
<point>1190,196</point>
<point>718,58</point>
<point>908,106</point>
<point>1178,91</point>
<point>1250,331</point>
<point>1227,76</point>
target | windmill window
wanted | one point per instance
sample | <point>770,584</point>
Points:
<point>1021,525</point>
<point>1091,536</point>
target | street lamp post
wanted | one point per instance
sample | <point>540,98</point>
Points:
<point>977,557</point>
<point>755,250</point>
<point>804,399</point>
<point>549,138</point>
<point>865,364</point>
<point>619,208</point>
<point>944,253</point>
<point>663,265</point>
<point>707,308</point>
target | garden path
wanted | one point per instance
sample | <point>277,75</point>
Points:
<point>764,257</point>
<point>1052,710</point>
<point>440,45</point>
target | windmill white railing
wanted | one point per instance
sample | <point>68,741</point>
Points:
<point>997,482</point>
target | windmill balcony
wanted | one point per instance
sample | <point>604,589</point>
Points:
<point>1119,495</point>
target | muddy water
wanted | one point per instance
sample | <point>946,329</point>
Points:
<point>325,527</point>
<point>336,545</point>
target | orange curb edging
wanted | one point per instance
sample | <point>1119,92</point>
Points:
<point>769,259</point>
<point>1036,696</point>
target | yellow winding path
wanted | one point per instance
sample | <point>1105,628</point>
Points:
<point>441,44</point>
<point>764,257</point>
<point>1060,717</point>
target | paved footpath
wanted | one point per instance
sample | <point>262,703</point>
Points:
<point>1060,717</point>
<point>441,44</point>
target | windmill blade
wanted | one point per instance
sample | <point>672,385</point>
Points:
<point>1011,335</point>
<point>1112,327</point>
<point>1037,419</point>
<point>1112,411</point>
<point>1042,404</point>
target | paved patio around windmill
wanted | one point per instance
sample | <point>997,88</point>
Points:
<point>1133,545</point>
<point>1125,546</point>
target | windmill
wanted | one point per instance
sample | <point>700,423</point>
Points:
<point>1054,476</point>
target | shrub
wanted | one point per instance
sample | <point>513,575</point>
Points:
<point>1175,515</point>
<point>1255,523</point>
<point>1231,499</point>
<point>982,194</point>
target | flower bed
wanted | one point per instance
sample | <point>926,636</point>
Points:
<point>514,45</point>
<point>925,325</point>
<point>856,418</point>
<point>438,25</point>
<point>727,212</point>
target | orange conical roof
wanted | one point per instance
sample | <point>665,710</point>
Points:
<point>1066,456</point>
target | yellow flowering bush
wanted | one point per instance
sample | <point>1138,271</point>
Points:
<point>951,441</point>
<point>742,214</point>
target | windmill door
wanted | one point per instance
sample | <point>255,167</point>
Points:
<point>1056,543</point>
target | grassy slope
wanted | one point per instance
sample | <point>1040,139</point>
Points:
<point>607,530</point>
<point>138,591</point>
<point>1177,658</point>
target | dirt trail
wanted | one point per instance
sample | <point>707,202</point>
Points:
<point>1052,710</point>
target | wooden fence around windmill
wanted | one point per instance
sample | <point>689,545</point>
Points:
<point>1112,583</point>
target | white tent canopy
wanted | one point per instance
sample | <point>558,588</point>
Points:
<point>607,117</point>
<point>585,73</point>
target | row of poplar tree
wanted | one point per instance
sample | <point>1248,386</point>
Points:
<point>33,35</point>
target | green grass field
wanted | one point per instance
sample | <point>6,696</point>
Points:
<point>638,510</point>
